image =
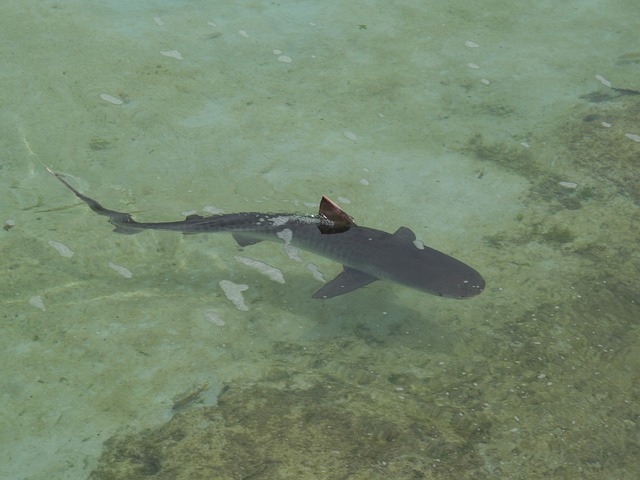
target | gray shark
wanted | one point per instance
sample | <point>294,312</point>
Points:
<point>366,254</point>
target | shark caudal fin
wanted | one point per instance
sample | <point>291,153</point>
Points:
<point>122,221</point>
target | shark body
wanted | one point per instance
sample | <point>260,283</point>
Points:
<point>367,254</point>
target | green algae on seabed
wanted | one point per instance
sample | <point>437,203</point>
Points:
<point>334,429</point>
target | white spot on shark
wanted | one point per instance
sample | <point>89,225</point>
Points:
<point>284,219</point>
<point>292,252</point>
<point>286,235</point>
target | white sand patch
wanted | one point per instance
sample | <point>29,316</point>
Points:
<point>603,80</point>
<point>61,248</point>
<point>214,318</point>
<point>111,99</point>
<point>172,54</point>
<point>315,272</point>
<point>350,136</point>
<point>125,272</point>
<point>265,269</point>
<point>37,302</point>
<point>233,292</point>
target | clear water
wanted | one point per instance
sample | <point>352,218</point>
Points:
<point>457,119</point>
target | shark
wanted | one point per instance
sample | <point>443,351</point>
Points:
<point>366,254</point>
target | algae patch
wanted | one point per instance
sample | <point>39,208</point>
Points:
<point>331,430</point>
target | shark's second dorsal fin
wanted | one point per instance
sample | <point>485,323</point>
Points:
<point>337,220</point>
<point>406,233</point>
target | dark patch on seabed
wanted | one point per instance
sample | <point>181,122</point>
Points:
<point>331,430</point>
<point>595,220</point>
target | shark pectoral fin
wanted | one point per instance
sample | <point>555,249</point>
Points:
<point>243,240</point>
<point>349,280</point>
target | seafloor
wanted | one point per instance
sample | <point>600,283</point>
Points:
<point>505,133</point>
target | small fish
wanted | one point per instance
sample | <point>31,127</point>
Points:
<point>189,396</point>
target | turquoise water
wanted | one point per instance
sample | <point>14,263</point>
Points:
<point>490,129</point>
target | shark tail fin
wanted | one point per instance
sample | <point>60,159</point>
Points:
<point>122,221</point>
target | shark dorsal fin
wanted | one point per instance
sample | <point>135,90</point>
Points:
<point>337,220</point>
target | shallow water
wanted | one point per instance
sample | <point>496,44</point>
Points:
<point>458,120</point>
